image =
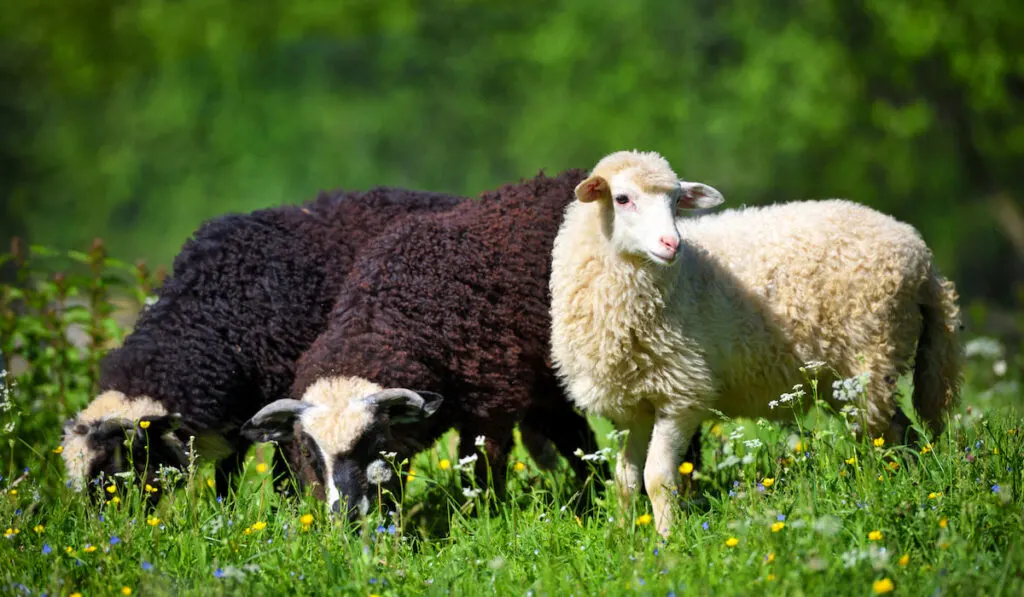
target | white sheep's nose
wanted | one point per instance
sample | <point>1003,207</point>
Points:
<point>669,244</point>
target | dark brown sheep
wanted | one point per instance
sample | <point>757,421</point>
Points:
<point>454,304</point>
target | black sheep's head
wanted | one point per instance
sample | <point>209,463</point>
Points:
<point>344,426</point>
<point>115,435</point>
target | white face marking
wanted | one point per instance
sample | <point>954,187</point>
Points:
<point>338,421</point>
<point>78,456</point>
<point>646,225</point>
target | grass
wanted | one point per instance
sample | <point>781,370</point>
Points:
<point>804,509</point>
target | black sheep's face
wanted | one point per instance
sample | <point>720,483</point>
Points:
<point>345,434</point>
<point>103,442</point>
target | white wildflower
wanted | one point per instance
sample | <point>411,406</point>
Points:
<point>728,462</point>
<point>846,390</point>
<point>378,472</point>
<point>617,434</point>
<point>795,395</point>
<point>390,456</point>
<point>465,464</point>
<point>479,441</point>
<point>752,444</point>
<point>470,492</point>
<point>747,459</point>
<point>814,365</point>
<point>999,368</point>
<point>736,433</point>
<point>599,456</point>
<point>986,347</point>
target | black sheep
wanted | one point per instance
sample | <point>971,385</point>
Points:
<point>454,304</point>
<point>248,294</point>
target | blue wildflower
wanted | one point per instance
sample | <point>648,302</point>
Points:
<point>780,517</point>
<point>101,518</point>
<point>656,551</point>
<point>46,548</point>
<point>641,582</point>
<point>146,565</point>
<point>218,573</point>
<point>995,488</point>
<point>704,525</point>
<point>391,529</point>
<point>671,594</point>
<point>380,529</point>
<point>17,512</point>
<point>114,540</point>
<point>373,580</point>
<point>760,488</point>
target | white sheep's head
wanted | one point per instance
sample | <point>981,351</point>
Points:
<point>344,426</point>
<point>641,197</point>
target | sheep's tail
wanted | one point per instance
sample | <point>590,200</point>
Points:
<point>938,364</point>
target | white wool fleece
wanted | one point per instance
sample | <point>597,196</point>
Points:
<point>753,295</point>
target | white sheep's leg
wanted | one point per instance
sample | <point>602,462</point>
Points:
<point>631,459</point>
<point>668,442</point>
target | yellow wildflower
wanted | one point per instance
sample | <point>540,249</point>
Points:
<point>927,448</point>
<point>904,560</point>
<point>69,550</point>
<point>13,492</point>
<point>893,466</point>
<point>58,450</point>
<point>851,460</point>
<point>111,488</point>
<point>115,500</point>
<point>880,478</point>
<point>882,586</point>
<point>768,481</point>
<point>879,442</point>
<point>1012,431</point>
<point>875,535</point>
<point>261,468</point>
<point>127,590</point>
<point>75,595</point>
<point>943,522</point>
<point>259,526</point>
<point>153,521</point>
<point>306,519</point>
<point>933,495</point>
<point>210,483</point>
<point>770,558</point>
<point>150,489</point>
<point>799,447</point>
<point>732,542</point>
<point>995,450</point>
<point>446,464</point>
<point>9,533</point>
<point>944,545</point>
<point>770,577</point>
<point>842,473</point>
<point>89,548</point>
<point>410,476</point>
<point>519,466</point>
<point>778,526</point>
<point>144,424</point>
<point>644,519</point>
<point>716,430</point>
<point>579,522</point>
<point>38,528</point>
<point>686,468</point>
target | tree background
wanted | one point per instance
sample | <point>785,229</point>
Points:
<point>136,120</point>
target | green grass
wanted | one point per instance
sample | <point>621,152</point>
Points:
<point>949,521</point>
<point>955,512</point>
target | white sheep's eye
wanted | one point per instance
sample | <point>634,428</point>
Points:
<point>621,199</point>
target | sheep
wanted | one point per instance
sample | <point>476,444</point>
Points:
<point>248,294</point>
<point>453,304</point>
<point>658,320</point>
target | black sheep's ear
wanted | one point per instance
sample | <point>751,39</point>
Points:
<point>405,406</point>
<point>275,421</point>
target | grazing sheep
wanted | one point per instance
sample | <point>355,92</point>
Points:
<point>249,293</point>
<point>657,320</point>
<point>453,304</point>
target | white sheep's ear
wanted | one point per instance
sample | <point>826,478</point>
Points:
<point>405,406</point>
<point>697,195</point>
<point>275,421</point>
<point>592,189</point>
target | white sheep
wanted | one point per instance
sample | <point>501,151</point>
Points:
<point>658,319</point>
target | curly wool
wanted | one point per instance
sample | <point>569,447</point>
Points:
<point>458,303</point>
<point>248,294</point>
<point>756,293</point>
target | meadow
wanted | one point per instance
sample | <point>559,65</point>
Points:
<point>793,509</point>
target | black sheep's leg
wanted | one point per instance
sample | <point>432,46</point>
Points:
<point>225,469</point>
<point>569,431</point>
<point>497,444</point>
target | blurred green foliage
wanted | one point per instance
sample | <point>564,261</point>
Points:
<point>136,120</point>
